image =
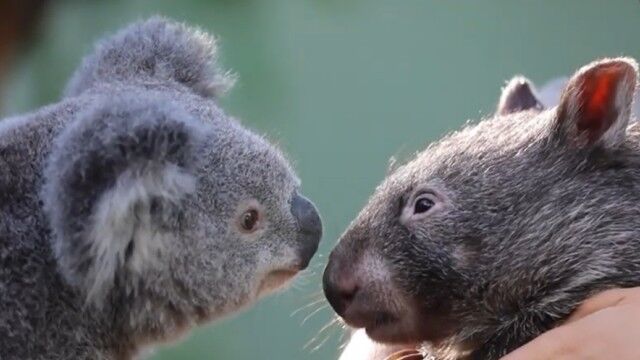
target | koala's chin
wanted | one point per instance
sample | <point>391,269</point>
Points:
<point>275,280</point>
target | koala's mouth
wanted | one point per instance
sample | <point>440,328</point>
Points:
<point>276,279</point>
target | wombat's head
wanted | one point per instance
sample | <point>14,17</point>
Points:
<point>477,203</point>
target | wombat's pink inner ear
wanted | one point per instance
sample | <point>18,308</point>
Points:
<point>595,106</point>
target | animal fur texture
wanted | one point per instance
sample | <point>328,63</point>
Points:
<point>497,232</point>
<point>135,208</point>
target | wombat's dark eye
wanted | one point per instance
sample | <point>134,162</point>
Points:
<point>249,220</point>
<point>422,205</point>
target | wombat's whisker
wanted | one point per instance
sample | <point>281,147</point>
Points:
<point>345,335</point>
<point>306,307</point>
<point>407,356</point>
<point>315,338</point>
<point>324,306</point>
<point>394,354</point>
<point>403,354</point>
<point>315,348</point>
<point>328,325</point>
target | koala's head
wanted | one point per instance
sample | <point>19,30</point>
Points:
<point>480,201</point>
<point>161,203</point>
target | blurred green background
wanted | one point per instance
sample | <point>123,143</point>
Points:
<point>342,85</point>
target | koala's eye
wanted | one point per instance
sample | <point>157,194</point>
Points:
<point>422,205</point>
<point>249,220</point>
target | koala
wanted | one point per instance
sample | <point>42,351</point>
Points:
<point>135,209</point>
<point>497,232</point>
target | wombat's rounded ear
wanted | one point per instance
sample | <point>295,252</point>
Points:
<point>595,106</point>
<point>518,95</point>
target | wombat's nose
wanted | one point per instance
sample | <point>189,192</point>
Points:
<point>339,285</point>
<point>310,228</point>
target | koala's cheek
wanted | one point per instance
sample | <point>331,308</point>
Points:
<point>280,255</point>
<point>275,267</point>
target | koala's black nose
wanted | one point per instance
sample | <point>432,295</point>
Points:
<point>339,285</point>
<point>310,227</point>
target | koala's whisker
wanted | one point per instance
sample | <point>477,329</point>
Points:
<point>300,282</point>
<point>297,286</point>
<point>324,306</point>
<point>318,264</point>
<point>303,278</point>
<point>309,271</point>
<point>306,307</point>
<point>316,295</point>
<point>313,269</point>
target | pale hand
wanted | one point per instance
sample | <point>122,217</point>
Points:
<point>606,326</point>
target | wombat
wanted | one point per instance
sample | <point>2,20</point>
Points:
<point>497,232</point>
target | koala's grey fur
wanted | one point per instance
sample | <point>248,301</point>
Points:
<point>534,212</point>
<point>118,205</point>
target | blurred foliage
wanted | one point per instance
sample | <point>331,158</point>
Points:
<point>342,86</point>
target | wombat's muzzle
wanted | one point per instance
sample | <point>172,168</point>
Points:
<point>310,228</point>
<point>338,283</point>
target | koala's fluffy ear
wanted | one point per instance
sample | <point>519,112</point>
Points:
<point>595,105</point>
<point>518,95</point>
<point>155,50</point>
<point>116,182</point>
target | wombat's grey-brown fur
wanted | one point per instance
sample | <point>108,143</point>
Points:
<point>135,209</point>
<point>497,232</point>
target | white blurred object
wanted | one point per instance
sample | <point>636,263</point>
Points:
<point>549,95</point>
<point>360,347</point>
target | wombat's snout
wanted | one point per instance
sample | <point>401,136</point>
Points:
<point>310,228</point>
<point>339,285</point>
